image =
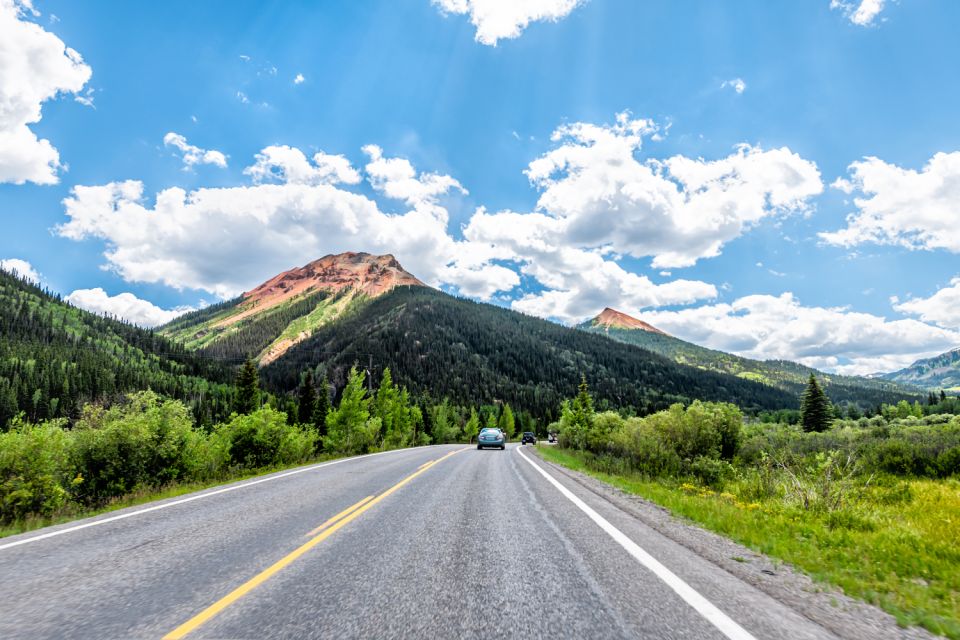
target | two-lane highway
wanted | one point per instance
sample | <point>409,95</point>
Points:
<point>438,542</point>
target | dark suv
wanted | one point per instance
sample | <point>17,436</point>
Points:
<point>528,437</point>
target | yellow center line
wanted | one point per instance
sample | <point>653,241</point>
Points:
<point>204,616</point>
<point>339,516</point>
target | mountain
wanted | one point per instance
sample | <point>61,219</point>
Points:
<point>283,311</point>
<point>613,319</point>
<point>55,357</point>
<point>359,308</point>
<point>782,374</point>
<point>939,372</point>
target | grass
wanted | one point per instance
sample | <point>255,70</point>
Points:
<point>74,511</point>
<point>894,545</point>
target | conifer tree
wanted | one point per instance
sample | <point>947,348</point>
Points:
<point>349,426</point>
<point>815,409</point>
<point>321,407</point>
<point>248,389</point>
<point>306,399</point>
<point>472,427</point>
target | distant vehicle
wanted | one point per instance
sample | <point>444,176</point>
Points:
<point>491,438</point>
<point>552,438</point>
<point>528,437</point>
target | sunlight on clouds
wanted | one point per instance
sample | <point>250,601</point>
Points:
<point>942,308</point>
<point>125,306</point>
<point>193,155</point>
<point>905,207</point>
<point>35,66</point>
<point>506,19</point>
<point>862,13</point>
<point>21,267</point>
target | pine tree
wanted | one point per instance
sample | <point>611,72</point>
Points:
<point>943,396</point>
<point>583,404</point>
<point>815,408</point>
<point>350,428</point>
<point>506,422</point>
<point>321,408</point>
<point>248,389</point>
<point>306,399</point>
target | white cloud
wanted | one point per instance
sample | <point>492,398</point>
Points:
<point>396,178</point>
<point>35,66</point>
<point>863,12</point>
<point>227,240</point>
<point>242,97</point>
<point>125,306</point>
<point>596,193</point>
<point>737,84</point>
<point>299,79</point>
<point>913,209</point>
<point>193,155</point>
<point>506,19</point>
<point>281,163</point>
<point>942,308</point>
<point>21,267</point>
<point>779,327</point>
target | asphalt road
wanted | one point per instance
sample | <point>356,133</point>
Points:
<point>454,543</point>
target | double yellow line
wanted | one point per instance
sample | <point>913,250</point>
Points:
<point>319,534</point>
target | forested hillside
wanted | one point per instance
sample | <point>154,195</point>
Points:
<point>476,354</point>
<point>939,372</point>
<point>866,393</point>
<point>55,357</point>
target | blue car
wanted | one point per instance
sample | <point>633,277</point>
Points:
<point>492,438</point>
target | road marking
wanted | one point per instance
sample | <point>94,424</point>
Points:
<point>166,505</point>
<point>339,516</point>
<point>204,616</point>
<point>704,607</point>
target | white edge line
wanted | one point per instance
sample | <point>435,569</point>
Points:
<point>692,597</point>
<point>165,505</point>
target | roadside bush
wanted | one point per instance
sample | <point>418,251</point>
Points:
<point>34,469</point>
<point>262,439</point>
<point>145,441</point>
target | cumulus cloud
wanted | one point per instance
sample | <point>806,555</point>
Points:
<point>299,79</point>
<point>280,163</point>
<point>737,84</point>
<point>193,155</point>
<point>942,308</point>
<point>125,306</point>
<point>597,193</point>
<point>506,19</point>
<point>20,267</point>
<point>396,178</point>
<point>905,207</point>
<point>780,327</point>
<point>227,240</point>
<point>863,13</point>
<point>35,66</point>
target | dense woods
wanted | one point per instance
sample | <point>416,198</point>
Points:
<point>477,354</point>
<point>55,357</point>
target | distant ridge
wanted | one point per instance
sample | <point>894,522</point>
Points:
<point>613,319</point>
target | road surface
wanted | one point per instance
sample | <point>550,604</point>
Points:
<point>437,542</point>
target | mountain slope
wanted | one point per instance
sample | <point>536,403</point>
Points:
<point>54,357</point>
<point>283,311</point>
<point>477,353</point>
<point>782,374</point>
<point>939,372</point>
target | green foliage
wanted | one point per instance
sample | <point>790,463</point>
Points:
<point>506,422</point>
<point>444,429</point>
<point>321,409</point>
<point>472,426</point>
<point>54,358</point>
<point>263,439</point>
<point>816,412</point>
<point>350,428</point>
<point>306,399</point>
<point>248,388</point>
<point>478,354</point>
<point>34,470</point>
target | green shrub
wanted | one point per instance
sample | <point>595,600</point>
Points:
<point>262,439</point>
<point>34,469</point>
<point>144,441</point>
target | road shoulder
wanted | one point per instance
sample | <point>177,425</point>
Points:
<point>830,608</point>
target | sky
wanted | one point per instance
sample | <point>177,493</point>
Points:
<point>778,180</point>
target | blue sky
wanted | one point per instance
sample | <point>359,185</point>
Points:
<point>457,121</point>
